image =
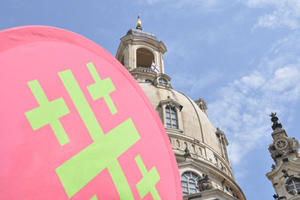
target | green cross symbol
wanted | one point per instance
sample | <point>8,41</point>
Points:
<point>103,153</point>
<point>94,198</point>
<point>105,150</point>
<point>149,180</point>
<point>47,113</point>
<point>101,88</point>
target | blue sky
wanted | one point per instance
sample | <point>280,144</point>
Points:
<point>241,56</point>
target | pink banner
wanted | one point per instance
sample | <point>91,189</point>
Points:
<point>75,124</point>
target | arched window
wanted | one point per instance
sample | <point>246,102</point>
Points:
<point>148,81</point>
<point>144,58</point>
<point>293,185</point>
<point>171,117</point>
<point>189,183</point>
<point>163,82</point>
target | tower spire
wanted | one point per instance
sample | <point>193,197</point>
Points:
<point>139,22</point>
<point>285,174</point>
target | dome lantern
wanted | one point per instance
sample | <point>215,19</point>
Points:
<point>140,49</point>
<point>139,23</point>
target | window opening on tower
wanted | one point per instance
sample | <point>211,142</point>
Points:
<point>144,57</point>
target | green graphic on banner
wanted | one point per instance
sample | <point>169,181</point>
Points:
<point>101,88</point>
<point>103,153</point>
<point>47,113</point>
<point>94,198</point>
<point>106,148</point>
<point>149,180</point>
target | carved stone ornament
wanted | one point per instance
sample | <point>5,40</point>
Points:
<point>204,183</point>
<point>292,185</point>
<point>202,105</point>
<point>170,102</point>
<point>187,153</point>
<point>283,146</point>
<point>274,119</point>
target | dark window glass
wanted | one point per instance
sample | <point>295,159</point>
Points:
<point>171,117</point>
<point>163,82</point>
<point>293,186</point>
<point>148,81</point>
<point>189,183</point>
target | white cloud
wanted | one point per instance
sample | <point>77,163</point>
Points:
<point>205,5</point>
<point>284,13</point>
<point>243,105</point>
<point>285,79</point>
<point>261,3</point>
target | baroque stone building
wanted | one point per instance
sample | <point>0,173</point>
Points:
<point>199,147</point>
<point>285,174</point>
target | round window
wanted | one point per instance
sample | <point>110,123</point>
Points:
<point>163,82</point>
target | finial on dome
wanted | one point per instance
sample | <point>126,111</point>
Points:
<point>139,23</point>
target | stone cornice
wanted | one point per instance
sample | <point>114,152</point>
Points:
<point>143,70</point>
<point>180,153</point>
<point>179,135</point>
<point>207,168</point>
<point>144,37</point>
<point>170,102</point>
<point>140,72</point>
<point>207,193</point>
<point>290,164</point>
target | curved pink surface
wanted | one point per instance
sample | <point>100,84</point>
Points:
<point>32,157</point>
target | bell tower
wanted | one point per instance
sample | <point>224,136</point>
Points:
<point>141,49</point>
<point>285,174</point>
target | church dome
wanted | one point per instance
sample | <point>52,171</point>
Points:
<point>199,147</point>
<point>193,122</point>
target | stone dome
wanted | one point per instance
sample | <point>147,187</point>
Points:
<point>197,144</point>
<point>194,132</point>
<point>193,122</point>
<point>199,147</point>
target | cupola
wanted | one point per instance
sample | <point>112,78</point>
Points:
<point>141,49</point>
